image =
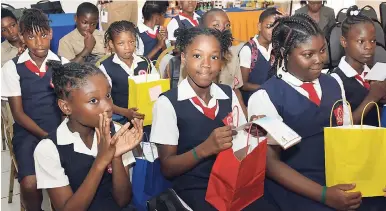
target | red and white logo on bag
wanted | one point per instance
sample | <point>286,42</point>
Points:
<point>338,112</point>
<point>142,72</point>
<point>228,120</point>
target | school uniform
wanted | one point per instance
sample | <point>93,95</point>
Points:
<point>8,52</point>
<point>304,107</point>
<point>73,43</point>
<point>63,159</point>
<point>230,73</point>
<point>356,88</point>
<point>21,77</point>
<point>148,39</point>
<point>257,58</point>
<point>180,21</point>
<point>117,73</point>
<point>182,119</point>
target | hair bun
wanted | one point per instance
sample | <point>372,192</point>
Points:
<point>352,11</point>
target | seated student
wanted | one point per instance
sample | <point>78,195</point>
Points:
<point>187,18</point>
<point>302,98</point>
<point>84,44</point>
<point>152,36</point>
<point>121,37</point>
<point>188,120</point>
<point>255,55</point>
<point>10,32</point>
<point>84,163</point>
<point>359,42</point>
<point>26,81</point>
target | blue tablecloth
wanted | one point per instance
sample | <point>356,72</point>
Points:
<point>61,25</point>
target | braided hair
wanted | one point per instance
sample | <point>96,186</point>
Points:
<point>186,36</point>
<point>154,7</point>
<point>120,26</point>
<point>70,76</point>
<point>288,33</point>
<point>34,20</point>
<point>353,17</point>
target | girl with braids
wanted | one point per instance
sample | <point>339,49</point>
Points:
<point>121,36</point>
<point>84,163</point>
<point>359,41</point>
<point>26,83</point>
<point>302,97</point>
<point>188,121</point>
<point>152,36</point>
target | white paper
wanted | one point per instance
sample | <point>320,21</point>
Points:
<point>154,92</point>
<point>240,141</point>
<point>377,73</point>
<point>280,132</point>
<point>104,16</point>
<point>150,152</point>
<point>145,78</point>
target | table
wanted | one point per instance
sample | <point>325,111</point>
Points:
<point>243,23</point>
<point>61,25</point>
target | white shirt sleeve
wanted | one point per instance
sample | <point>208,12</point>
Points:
<point>10,80</point>
<point>64,60</point>
<point>260,104</point>
<point>171,27</point>
<point>164,127</point>
<point>49,171</point>
<point>141,47</point>
<point>346,110</point>
<point>128,157</point>
<point>245,57</point>
<point>103,69</point>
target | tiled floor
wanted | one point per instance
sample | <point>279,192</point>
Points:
<point>5,173</point>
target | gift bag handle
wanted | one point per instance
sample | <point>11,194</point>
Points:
<point>149,66</point>
<point>378,113</point>
<point>349,108</point>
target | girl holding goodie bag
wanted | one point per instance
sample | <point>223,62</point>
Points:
<point>188,121</point>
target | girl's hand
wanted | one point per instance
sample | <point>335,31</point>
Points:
<point>106,144</point>
<point>219,140</point>
<point>132,113</point>
<point>338,198</point>
<point>256,129</point>
<point>127,139</point>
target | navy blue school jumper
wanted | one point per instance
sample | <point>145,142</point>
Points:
<point>149,42</point>
<point>77,165</point>
<point>308,120</point>
<point>259,69</point>
<point>194,128</point>
<point>39,103</point>
<point>185,23</point>
<point>355,93</point>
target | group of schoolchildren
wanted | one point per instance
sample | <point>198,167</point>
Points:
<point>74,133</point>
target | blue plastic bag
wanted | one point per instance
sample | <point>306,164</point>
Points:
<point>148,182</point>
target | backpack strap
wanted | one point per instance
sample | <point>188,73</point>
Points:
<point>254,53</point>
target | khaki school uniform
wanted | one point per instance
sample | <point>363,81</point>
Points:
<point>120,10</point>
<point>8,52</point>
<point>73,43</point>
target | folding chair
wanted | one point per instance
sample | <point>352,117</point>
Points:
<point>379,32</point>
<point>335,50</point>
<point>341,15</point>
<point>369,11</point>
<point>380,54</point>
<point>382,12</point>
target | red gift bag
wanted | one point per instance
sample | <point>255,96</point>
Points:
<point>234,184</point>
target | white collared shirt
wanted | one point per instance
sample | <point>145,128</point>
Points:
<point>246,53</point>
<point>143,28</point>
<point>129,70</point>
<point>260,103</point>
<point>349,71</point>
<point>49,171</point>
<point>173,25</point>
<point>164,127</point>
<point>10,86</point>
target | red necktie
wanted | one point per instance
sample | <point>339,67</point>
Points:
<point>208,112</point>
<point>33,68</point>
<point>309,87</point>
<point>365,83</point>
<point>195,22</point>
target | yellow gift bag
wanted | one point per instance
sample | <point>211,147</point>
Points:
<point>356,154</point>
<point>144,91</point>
